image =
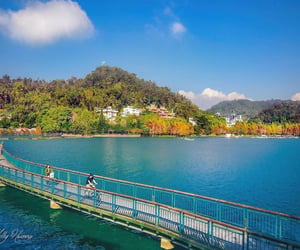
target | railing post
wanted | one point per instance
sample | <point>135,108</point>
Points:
<point>28,167</point>
<point>181,222</point>
<point>134,190</point>
<point>52,186</point>
<point>32,180</point>
<point>65,190</point>
<point>157,214</point>
<point>79,194</point>
<point>80,178</point>
<point>153,198</point>
<point>173,200</point>
<point>209,231</point>
<point>278,227</point>
<point>95,197</point>
<point>194,205</point>
<point>113,203</point>
<point>24,180</point>
<point>42,183</point>
<point>68,176</point>
<point>245,240</point>
<point>218,211</point>
<point>245,218</point>
<point>134,211</point>
<point>16,175</point>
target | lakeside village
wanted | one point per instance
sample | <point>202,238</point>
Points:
<point>233,123</point>
<point>109,113</point>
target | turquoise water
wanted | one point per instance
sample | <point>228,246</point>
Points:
<point>27,222</point>
<point>258,172</point>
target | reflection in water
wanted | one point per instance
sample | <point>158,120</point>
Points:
<point>54,214</point>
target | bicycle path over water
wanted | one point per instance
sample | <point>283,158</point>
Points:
<point>205,223</point>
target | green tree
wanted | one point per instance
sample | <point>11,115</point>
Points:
<point>203,124</point>
<point>102,124</point>
<point>56,119</point>
<point>84,122</point>
<point>5,123</point>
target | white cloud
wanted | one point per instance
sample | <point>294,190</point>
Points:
<point>296,97</point>
<point>165,24</point>
<point>177,28</point>
<point>209,97</point>
<point>190,94</point>
<point>46,22</point>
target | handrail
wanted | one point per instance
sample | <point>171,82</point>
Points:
<point>212,232</point>
<point>262,221</point>
<point>124,196</point>
<point>167,225</point>
<point>159,188</point>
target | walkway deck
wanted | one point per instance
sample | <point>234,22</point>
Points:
<point>3,160</point>
<point>178,225</point>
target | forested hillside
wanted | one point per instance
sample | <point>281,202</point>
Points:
<point>246,108</point>
<point>72,106</point>
<point>69,105</point>
<point>106,86</point>
<point>281,112</point>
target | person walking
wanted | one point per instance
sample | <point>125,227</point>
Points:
<point>47,170</point>
<point>47,173</point>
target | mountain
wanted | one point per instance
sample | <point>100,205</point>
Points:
<point>246,108</point>
<point>26,100</point>
<point>120,88</point>
<point>281,112</point>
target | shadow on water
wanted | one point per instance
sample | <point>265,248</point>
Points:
<point>27,222</point>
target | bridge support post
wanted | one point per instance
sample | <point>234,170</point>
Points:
<point>2,184</point>
<point>166,244</point>
<point>54,205</point>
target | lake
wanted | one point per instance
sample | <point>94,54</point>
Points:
<point>259,172</point>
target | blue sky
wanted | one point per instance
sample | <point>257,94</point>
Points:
<point>208,50</point>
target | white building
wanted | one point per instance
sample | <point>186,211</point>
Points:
<point>129,110</point>
<point>109,113</point>
<point>192,121</point>
<point>232,119</point>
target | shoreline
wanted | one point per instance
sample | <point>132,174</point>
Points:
<point>73,136</point>
<point>98,135</point>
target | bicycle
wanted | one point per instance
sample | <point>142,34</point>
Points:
<point>94,194</point>
<point>89,190</point>
<point>97,198</point>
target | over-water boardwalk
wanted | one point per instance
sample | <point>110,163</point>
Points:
<point>3,160</point>
<point>190,220</point>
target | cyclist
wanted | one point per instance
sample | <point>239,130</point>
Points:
<point>90,182</point>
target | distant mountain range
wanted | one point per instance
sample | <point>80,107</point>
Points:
<point>246,108</point>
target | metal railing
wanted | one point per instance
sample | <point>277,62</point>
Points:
<point>202,230</point>
<point>271,224</point>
